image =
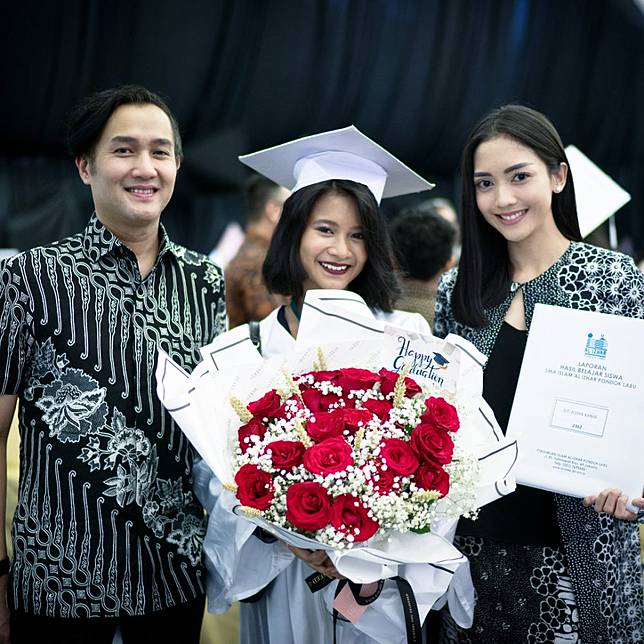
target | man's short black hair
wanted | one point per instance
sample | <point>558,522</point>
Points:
<point>88,119</point>
<point>423,241</point>
<point>283,272</point>
<point>258,191</point>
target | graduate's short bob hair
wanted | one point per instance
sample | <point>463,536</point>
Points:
<point>484,270</point>
<point>283,272</point>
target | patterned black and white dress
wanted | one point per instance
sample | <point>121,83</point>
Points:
<point>588,586</point>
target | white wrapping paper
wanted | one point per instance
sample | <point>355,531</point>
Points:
<point>350,336</point>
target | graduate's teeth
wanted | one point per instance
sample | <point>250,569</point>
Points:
<point>334,267</point>
<point>513,215</point>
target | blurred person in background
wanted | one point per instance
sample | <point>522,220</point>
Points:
<point>423,244</point>
<point>246,295</point>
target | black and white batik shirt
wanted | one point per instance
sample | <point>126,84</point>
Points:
<point>106,522</point>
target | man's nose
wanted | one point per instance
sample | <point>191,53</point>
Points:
<point>144,166</point>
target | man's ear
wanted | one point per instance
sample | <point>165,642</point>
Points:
<point>84,169</point>
<point>273,211</point>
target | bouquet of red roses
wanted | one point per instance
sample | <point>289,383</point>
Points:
<point>342,455</point>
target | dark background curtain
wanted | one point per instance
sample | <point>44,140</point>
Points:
<point>245,74</point>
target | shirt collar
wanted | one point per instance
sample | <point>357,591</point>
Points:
<point>98,241</point>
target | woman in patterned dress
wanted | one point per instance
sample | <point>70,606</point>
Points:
<point>547,567</point>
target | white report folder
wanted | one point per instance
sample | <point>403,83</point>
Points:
<point>578,411</point>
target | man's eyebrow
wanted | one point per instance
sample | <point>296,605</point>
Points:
<point>512,168</point>
<point>131,140</point>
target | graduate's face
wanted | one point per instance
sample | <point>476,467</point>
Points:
<point>514,188</point>
<point>133,169</point>
<point>333,250</point>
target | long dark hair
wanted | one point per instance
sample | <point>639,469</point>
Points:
<point>283,272</point>
<point>484,270</point>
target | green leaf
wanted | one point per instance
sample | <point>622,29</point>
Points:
<point>423,530</point>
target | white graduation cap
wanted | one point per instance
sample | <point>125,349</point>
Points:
<point>598,196</point>
<point>338,154</point>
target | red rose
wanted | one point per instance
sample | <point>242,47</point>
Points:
<point>352,379</point>
<point>398,456</point>
<point>356,418</point>
<point>350,516</point>
<point>313,399</point>
<point>308,505</point>
<point>432,444</point>
<point>431,476</point>
<point>383,480</point>
<point>286,454</point>
<point>325,424</point>
<point>254,427</point>
<point>331,455</point>
<point>380,408</point>
<point>388,380</point>
<point>266,406</point>
<point>254,487</point>
<point>316,401</point>
<point>441,414</point>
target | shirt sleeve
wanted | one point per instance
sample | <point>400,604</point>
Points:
<point>16,322</point>
<point>443,311</point>
<point>626,288</point>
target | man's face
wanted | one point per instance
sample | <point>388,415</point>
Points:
<point>134,168</point>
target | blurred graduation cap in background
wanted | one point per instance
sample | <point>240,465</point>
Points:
<point>338,154</point>
<point>598,196</point>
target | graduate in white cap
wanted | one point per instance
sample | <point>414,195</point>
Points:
<point>331,235</point>
<point>546,567</point>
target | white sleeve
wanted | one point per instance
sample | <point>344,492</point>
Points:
<point>238,563</point>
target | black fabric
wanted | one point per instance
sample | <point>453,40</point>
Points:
<point>524,595</point>
<point>281,318</point>
<point>528,515</point>
<point>180,623</point>
<point>412,74</point>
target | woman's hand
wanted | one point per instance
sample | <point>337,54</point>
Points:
<point>613,502</point>
<point>318,560</point>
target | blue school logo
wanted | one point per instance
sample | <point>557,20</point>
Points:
<point>596,347</point>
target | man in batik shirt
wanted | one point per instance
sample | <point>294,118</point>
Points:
<point>106,525</point>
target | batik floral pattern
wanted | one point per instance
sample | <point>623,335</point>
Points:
<point>74,404</point>
<point>73,408</point>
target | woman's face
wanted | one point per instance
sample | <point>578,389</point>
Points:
<point>514,189</point>
<point>333,250</point>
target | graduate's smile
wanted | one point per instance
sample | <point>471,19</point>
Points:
<point>333,251</point>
